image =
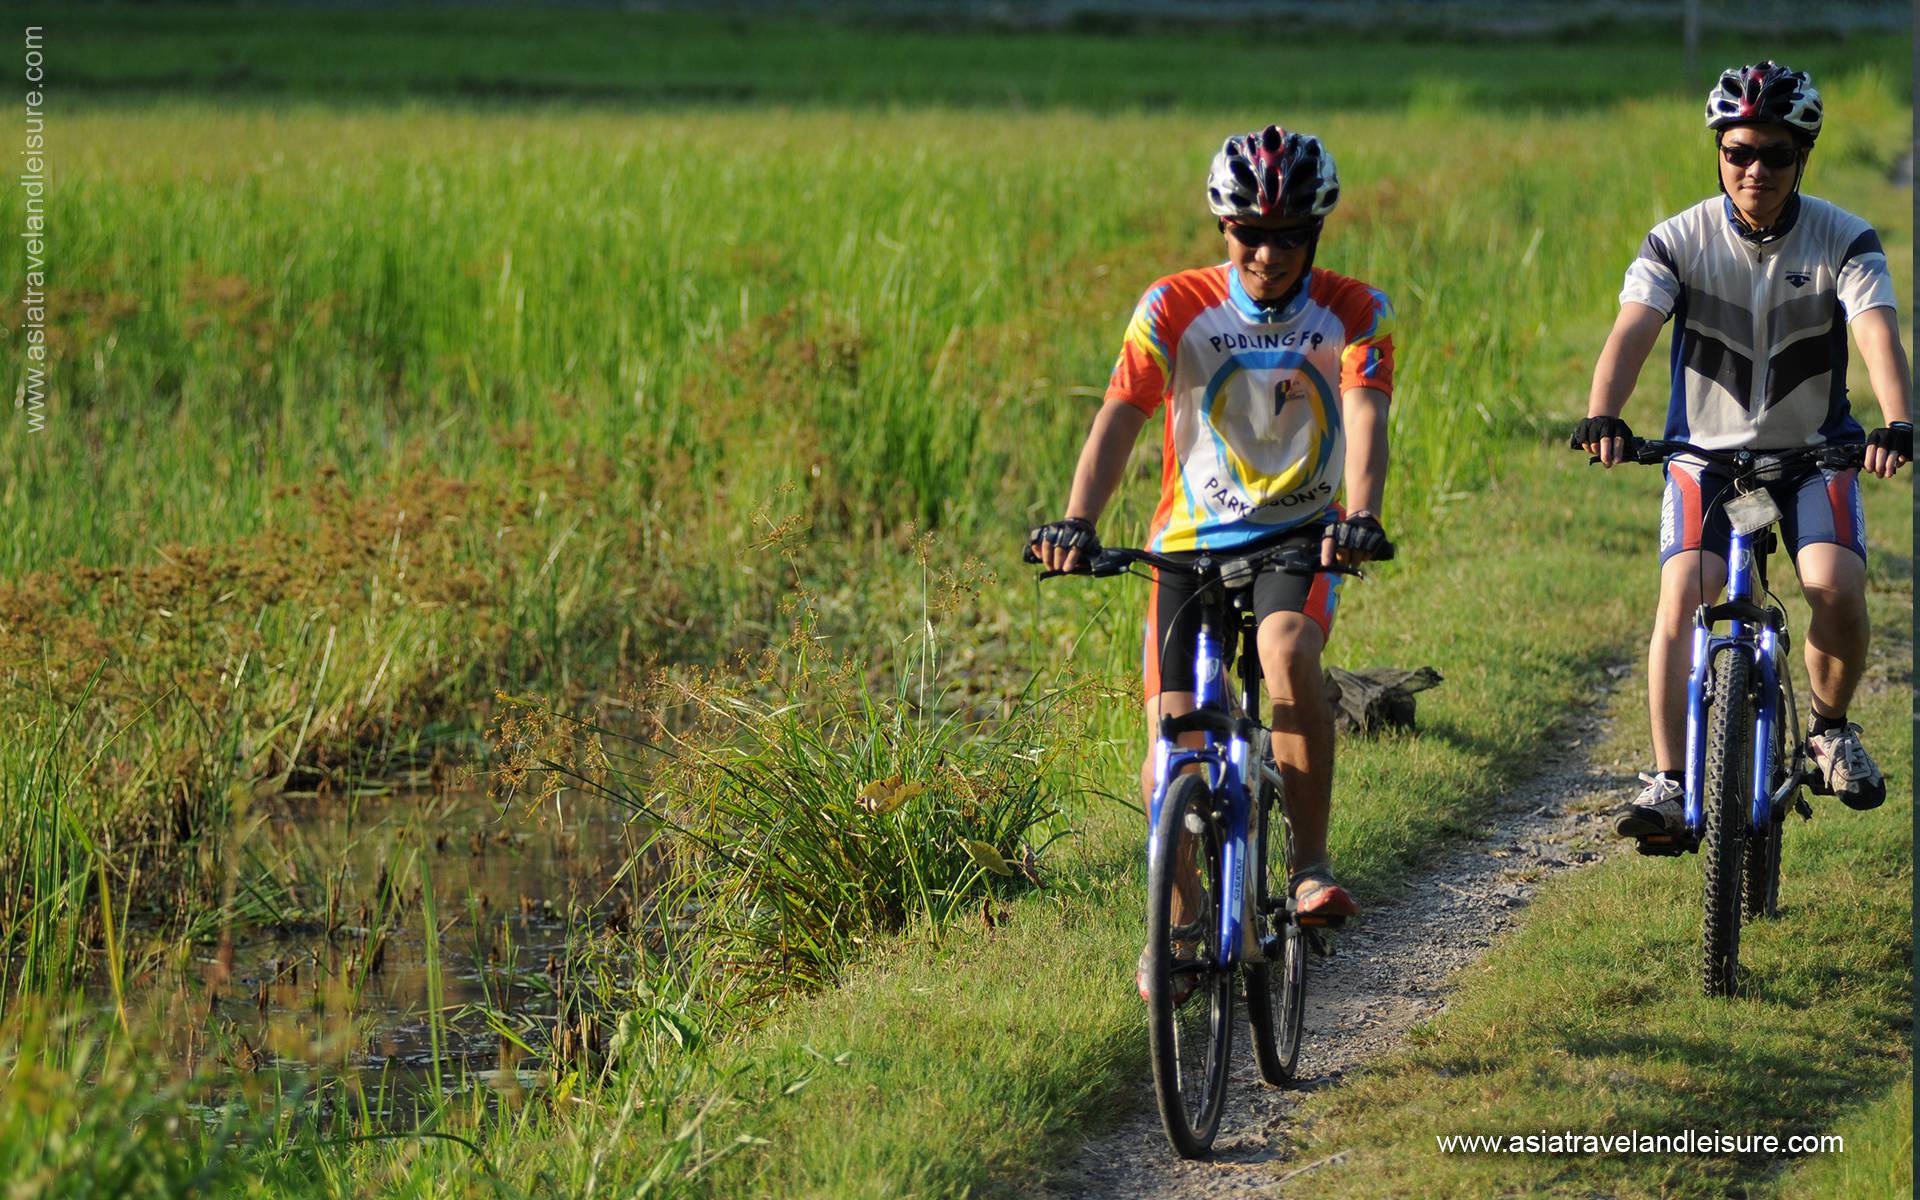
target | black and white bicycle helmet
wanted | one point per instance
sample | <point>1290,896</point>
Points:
<point>1272,173</point>
<point>1765,91</point>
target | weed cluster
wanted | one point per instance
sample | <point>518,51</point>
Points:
<point>801,813</point>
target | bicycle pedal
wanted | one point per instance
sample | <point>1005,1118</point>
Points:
<point>1801,806</point>
<point>1661,845</point>
<point>1328,922</point>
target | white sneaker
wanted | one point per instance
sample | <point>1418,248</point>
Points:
<point>1660,808</point>
<point>1845,768</point>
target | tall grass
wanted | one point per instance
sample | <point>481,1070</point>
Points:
<point>47,860</point>
<point>371,413</point>
<point>805,814</point>
<point>432,400</point>
<point>891,54</point>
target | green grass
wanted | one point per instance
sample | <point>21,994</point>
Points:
<point>408,403</point>
<point>1590,1019</point>
<point>1877,1160</point>
<point>593,55</point>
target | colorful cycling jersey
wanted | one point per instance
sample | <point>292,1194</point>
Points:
<point>1253,442</point>
<point>1759,330</point>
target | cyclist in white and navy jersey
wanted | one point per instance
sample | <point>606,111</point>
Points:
<point>1762,284</point>
<point>1273,376</point>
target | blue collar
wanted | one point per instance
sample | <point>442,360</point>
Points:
<point>1288,306</point>
<point>1773,232</point>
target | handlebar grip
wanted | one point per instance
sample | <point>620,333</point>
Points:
<point>1106,562</point>
<point>1843,457</point>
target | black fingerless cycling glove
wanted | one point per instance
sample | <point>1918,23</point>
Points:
<point>1897,437</point>
<point>1363,533</point>
<point>1592,429</point>
<point>1068,533</point>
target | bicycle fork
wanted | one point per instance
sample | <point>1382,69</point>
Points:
<point>1763,653</point>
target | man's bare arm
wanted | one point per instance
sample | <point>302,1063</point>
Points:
<point>1877,334</point>
<point>1103,460</point>
<point>1635,331</point>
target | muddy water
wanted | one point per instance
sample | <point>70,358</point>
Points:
<point>336,984</point>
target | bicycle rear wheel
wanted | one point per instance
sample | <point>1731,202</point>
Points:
<point>1277,988</point>
<point>1728,794</point>
<point>1190,1034</point>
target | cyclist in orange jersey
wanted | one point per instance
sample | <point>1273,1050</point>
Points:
<point>1273,378</point>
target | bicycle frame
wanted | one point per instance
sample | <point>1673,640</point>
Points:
<point>1763,650</point>
<point>1225,760</point>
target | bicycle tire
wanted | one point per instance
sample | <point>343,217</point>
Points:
<point>1760,880</point>
<point>1190,1041</point>
<point>1727,795</point>
<point>1276,989</point>
<point>1760,889</point>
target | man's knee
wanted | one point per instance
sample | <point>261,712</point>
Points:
<point>1684,587</point>
<point>1834,580</point>
<point>1290,645</point>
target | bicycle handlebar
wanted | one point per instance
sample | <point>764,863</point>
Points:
<point>1114,560</point>
<point>1836,456</point>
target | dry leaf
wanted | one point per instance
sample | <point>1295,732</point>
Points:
<point>879,796</point>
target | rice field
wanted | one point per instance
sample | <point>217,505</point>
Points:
<point>391,440</point>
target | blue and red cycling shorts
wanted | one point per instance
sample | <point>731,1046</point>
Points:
<point>1816,505</point>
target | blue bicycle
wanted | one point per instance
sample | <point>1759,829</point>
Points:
<point>1743,772</point>
<point>1212,822</point>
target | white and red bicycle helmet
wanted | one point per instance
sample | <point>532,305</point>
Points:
<point>1765,91</point>
<point>1272,173</point>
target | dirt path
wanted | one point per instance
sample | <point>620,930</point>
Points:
<point>1389,971</point>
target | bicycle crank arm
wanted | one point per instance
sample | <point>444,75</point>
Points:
<point>1777,802</point>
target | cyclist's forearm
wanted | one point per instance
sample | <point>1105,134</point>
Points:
<point>1634,332</point>
<point>1364,412</point>
<point>1103,459</point>
<point>1878,337</point>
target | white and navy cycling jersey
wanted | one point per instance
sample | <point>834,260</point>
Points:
<point>1759,330</point>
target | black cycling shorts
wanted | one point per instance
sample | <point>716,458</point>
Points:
<point>1173,615</point>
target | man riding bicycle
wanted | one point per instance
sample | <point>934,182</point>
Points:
<point>1246,357</point>
<point>1760,281</point>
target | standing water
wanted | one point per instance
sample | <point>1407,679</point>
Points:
<point>335,979</point>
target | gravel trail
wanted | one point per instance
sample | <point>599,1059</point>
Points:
<point>1390,970</point>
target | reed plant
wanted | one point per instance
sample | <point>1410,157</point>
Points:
<point>805,813</point>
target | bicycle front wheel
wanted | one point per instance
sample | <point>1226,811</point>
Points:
<point>1760,891</point>
<point>1189,998</point>
<point>1727,794</point>
<point>1277,988</point>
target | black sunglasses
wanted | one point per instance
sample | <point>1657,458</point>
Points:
<point>1253,237</point>
<point>1775,157</point>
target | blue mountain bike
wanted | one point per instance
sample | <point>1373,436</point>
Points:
<point>1744,770</point>
<point>1219,819</point>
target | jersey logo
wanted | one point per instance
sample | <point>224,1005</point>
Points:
<point>1798,278</point>
<point>1292,389</point>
